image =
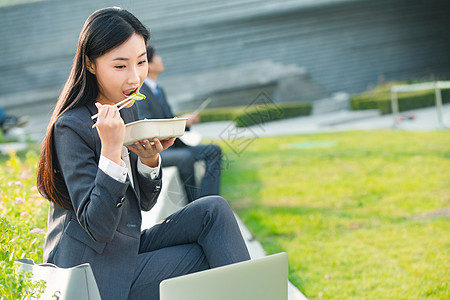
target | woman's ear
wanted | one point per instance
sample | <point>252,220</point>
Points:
<point>90,66</point>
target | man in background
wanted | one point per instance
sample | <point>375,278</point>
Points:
<point>8,121</point>
<point>183,156</point>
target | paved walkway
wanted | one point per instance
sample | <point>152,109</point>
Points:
<point>422,120</point>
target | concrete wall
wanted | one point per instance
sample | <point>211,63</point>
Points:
<point>344,45</point>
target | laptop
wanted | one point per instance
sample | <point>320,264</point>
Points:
<point>264,278</point>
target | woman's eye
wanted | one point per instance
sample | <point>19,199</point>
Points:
<point>142,62</point>
<point>119,67</point>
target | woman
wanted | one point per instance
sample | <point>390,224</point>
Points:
<point>97,188</point>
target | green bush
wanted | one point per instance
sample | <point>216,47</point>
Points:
<point>251,115</point>
<point>219,114</point>
<point>22,224</point>
<point>262,113</point>
<point>380,98</point>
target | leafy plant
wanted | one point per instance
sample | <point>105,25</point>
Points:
<point>260,114</point>
<point>250,115</point>
<point>22,225</point>
<point>13,283</point>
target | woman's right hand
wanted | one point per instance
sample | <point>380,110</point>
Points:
<point>111,130</point>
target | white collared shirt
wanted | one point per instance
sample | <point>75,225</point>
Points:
<point>120,173</point>
<point>151,84</point>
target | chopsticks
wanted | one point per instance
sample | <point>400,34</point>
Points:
<point>126,100</point>
<point>121,105</point>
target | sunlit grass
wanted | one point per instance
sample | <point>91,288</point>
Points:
<point>362,215</point>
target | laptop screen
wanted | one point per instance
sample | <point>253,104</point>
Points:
<point>264,278</point>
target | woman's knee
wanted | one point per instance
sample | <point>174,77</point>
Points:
<point>213,201</point>
<point>215,205</point>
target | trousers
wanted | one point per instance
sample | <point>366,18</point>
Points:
<point>202,235</point>
<point>185,157</point>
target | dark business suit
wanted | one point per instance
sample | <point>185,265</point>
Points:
<point>104,226</point>
<point>182,155</point>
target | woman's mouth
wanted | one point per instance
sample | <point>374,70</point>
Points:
<point>128,93</point>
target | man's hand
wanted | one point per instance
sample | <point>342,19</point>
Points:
<point>193,118</point>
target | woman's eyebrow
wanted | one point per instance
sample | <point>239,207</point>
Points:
<point>124,58</point>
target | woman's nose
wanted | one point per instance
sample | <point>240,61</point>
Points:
<point>133,76</point>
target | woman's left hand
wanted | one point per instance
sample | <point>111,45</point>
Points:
<point>148,151</point>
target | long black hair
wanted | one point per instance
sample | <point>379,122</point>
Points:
<point>104,30</point>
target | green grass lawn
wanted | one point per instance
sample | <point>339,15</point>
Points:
<point>362,215</point>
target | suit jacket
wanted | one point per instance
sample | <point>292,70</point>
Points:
<point>153,108</point>
<point>104,226</point>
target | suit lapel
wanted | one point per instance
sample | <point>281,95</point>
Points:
<point>134,171</point>
<point>129,115</point>
<point>159,107</point>
<point>165,106</point>
<point>152,102</point>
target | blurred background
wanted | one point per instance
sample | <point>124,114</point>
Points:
<point>319,51</point>
<point>367,215</point>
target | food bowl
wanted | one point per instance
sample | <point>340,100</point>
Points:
<point>163,129</point>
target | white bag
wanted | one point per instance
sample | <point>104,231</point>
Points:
<point>63,283</point>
